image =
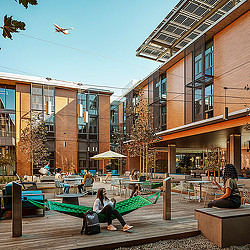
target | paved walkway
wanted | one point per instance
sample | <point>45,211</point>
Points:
<point>57,231</point>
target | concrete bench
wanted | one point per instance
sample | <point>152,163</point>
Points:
<point>223,226</point>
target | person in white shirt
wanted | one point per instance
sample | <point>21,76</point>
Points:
<point>58,177</point>
<point>103,205</point>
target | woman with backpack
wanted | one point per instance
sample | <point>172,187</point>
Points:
<point>103,205</point>
<point>231,197</point>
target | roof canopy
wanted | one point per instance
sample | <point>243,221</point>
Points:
<point>186,21</point>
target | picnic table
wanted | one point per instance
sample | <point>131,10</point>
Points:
<point>200,183</point>
<point>70,198</point>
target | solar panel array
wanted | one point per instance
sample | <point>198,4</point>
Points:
<point>178,27</point>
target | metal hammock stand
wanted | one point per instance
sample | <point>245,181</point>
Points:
<point>124,207</point>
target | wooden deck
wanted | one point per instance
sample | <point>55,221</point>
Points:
<point>59,231</point>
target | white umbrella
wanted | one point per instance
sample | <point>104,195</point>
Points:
<point>107,155</point>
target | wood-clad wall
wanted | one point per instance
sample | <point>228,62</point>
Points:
<point>175,101</point>
<point>66,129</point>
<point>231,64</point>
<point>104,125</point>
<point>23,166</point>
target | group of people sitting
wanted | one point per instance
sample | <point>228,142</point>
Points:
<point>66,187</point>
<point>230,199</point>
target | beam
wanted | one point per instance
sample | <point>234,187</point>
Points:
<point>154,59</point>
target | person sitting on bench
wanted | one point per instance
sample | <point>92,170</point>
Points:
<point>133,177</point>
<point>87,175</point>
<point>231,197</point>
<point>58,177</point>
<point>103,205</point>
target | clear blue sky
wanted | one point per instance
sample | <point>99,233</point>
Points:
<point>112,28</point>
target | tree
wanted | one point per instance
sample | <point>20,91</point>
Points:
<point>7,160</point>
<point>143,134</point>
<point>32,141</point>
<point>215,159</point>
<point>13,26</point>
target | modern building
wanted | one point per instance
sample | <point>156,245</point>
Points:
<point>200,93</point>
<point>75,116</point>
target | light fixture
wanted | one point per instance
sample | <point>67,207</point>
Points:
<point>80,110</point>
<point>86,117</point>
<point>225,115</point>
<point>48,107</point>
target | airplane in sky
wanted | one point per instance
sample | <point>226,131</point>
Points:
<point>64,31</point>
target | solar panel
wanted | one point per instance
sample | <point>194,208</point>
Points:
<point>181,26</point>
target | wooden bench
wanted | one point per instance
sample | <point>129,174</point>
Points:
<point>224,226</point>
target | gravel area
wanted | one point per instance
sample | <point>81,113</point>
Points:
<point>198,242</point>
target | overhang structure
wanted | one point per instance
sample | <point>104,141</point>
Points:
<point>187,20</point>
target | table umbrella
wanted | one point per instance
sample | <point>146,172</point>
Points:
<point>107,155</point>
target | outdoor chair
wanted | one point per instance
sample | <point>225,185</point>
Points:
<point>28,207</point>
<point>58,188</point>
<point>88,186</point>
<point>184,188</point>
<point>146,188</point>
<point>114,184</point>
<point>245,195</point>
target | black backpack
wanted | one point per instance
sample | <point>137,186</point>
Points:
<point>90,223</point>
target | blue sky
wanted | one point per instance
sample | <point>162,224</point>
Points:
<point>111,28</point>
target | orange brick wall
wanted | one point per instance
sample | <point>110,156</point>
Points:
<point>175,102</point>
<point>66,129</point>
<point>231,64</point>
<point>104,125</point>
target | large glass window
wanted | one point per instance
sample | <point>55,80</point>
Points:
<point>209,91</point>
<point>37,97</point>
<point>199,92</point>
<point>163,86</point>
<point>87,130</point>
<point>93,104</point>
<point>7,97</point>
<point>7,129</point>
<point>114,114</point>
<point>40,94</point>
<point>163,113</point>
<point>209,59</point>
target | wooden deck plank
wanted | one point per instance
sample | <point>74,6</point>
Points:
<point>57,230</point>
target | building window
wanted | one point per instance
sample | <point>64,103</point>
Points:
<point>114,114</point>
<point>209,101</point>
<point>199,92</point>
<point>37,97</point>
<point>163,113</point>
<point>209,59</point>
<point>40,94</point>
<point>7,129</point>
<point>163,86</point>
<point>93,104</point>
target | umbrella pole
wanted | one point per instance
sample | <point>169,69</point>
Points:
<point>103,166</point>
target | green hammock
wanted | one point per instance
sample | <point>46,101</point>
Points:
<point>124,207</point>
<point>157,184</point>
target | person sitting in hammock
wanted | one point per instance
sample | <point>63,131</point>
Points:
<point>103,205</point>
